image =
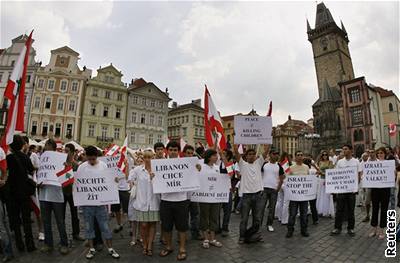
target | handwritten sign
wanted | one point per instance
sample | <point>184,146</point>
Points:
<point>50,164</point>
<point>343,180</point>
<point>301,187</point>
<point>93,187</point>
<point>253,130</point>
<point>379,174</point>
<point>112,162</point>
<point>175,175</point>
<point>214,186</point>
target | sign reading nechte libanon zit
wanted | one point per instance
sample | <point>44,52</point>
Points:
<point>214,187</point>
<point>340,181</point>
<point>379,174</point>
<point>253,130</point>
<point>175,175</point>
<point>300,187</point>
<point>94,188</point>
<point>51,163</point>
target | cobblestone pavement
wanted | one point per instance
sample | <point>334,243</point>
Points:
<point>319,247</point>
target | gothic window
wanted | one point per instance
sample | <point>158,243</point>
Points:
<point>338,123</point>
<point>390,107</point>
<point>356,116</point>
<point>354,95</point>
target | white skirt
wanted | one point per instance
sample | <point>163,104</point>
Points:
<point>282,207</point>
<point>325,204</point>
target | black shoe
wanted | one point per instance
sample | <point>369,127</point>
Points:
<point>78,238</point>
<point>289,234</point>
<point>315,223</point>
<point>118,229</point>
<point>20,246</point>
<point>335,232</point>
<point>305,234</point>
<point>351,233</point>
<point>30,248</point>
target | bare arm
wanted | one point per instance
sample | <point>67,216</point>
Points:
<point>266,151</point>
<point>236,152</point>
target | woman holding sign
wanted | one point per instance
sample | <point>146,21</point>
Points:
<point>325,204</point>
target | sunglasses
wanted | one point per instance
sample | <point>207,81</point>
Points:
<point>299,155</point>
<point>324,154</point>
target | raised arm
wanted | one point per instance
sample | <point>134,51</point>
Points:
<point>236,153</point>
<point>266,151</point>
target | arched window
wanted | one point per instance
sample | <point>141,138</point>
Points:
<point>360,135</point>
<point>390,107</point>
<point>338,123</point>
<point>355,136</point>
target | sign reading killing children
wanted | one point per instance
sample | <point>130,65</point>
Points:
<point>253,130</point>
<point>339,181</point>
<point>301,187</point>
<point>50,164</point>
<point>214,187</point>
<point>379,174</point>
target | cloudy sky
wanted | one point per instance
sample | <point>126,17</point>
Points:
<point>246,52</point>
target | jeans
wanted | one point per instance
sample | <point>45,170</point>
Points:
<point>5,232</point>
<point>97,240</point>
<point>344,201</point>
<point>19,212</point>
<point>270,196</point>
<point>227,209</point>
<point>46,209</point>
<point>294,206</point>
<point>314,212</point>
<point>194,212</point>
<point>101,215</point>
<point>251,202</point>
<point>74,213</point>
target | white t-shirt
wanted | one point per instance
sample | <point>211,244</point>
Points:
<point>271,175</point>
<point>145,199</point>
<point>344,163</point>
<point>251,180</point>
<point>123,184</point>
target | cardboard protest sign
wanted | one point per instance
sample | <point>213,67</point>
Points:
<point>379,174</point>
<point>300,187</point>
<point>214,187</point>
<point>253,130</point>
<point>175,175</point>
<point>343,180</point>
<point>51,163</point>
<point>111,162</point>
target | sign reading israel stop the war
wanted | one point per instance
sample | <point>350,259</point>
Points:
<point>343,180</point>
<point>379,174</point>
<point>112,162</point>
<point>214,187</point>
<point>300,187</point>
<point>253,130</point>
<point>50,164</point>
<point>175,175</point>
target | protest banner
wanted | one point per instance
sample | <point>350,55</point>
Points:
<point>175,175</point>
<point>51,163</point>
<point>112,162</point>
<point>300,187</point>
<point>93,188</point>
<point>214,187</point>
<point>340,181</point>
<point>253,130</point>
<point>379,174</point>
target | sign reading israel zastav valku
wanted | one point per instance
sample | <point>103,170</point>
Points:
<point>253,130</point>
<point>379,174</point>
<point>300,187</point>
<point>175,175</point>
<point>343,180</point>
<point>51,163</point>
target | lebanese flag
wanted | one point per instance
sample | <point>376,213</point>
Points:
<point>3,160</point>
<point>66,176</point>
<point>121,162</point>
<point>112,151</point>
<point>230,168</point>
<point>15,92</point>
<point>392,129</point>
<point>213,122</point>
<point>285,165</point>
<point>269,109</point>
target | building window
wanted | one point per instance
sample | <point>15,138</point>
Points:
<point>60,104</point>
<point>160,104</point>
<point>45,128</point>
<point>48,103</point>
<point>355,95</point>
<point>74,87</point>
<point>133,117</point>
<point>184,131</point>
<point>196,132</point>
<point>1,76</point>
<point>116,133</point>
<point>118,113</point>
<point>159,138</point>
<point>119,97</point>
<point>41,83</point>
<point>57,132</point>
<point>160,121</point>
<point>72,105</point>
<point>94,92</point>
<point>91,130</point>
<point>356,116</point>
<point>105,111</point>
<point>133,137</point>
<point>104,130</point>
<point>28,79</point>
<point>69,131</point>
<point>152,103</point>
<point>107,94</point>
<point>34,127</point>
<point>151,139</point>
<point>50,85</point>
<point>63,87</point>
<point>144,101</point>
<point>135,99</point>
<point>151,119</point>
<point>390,106</point>
<point>143,118</point>
<point>93,109</point>
<point>12,63</point>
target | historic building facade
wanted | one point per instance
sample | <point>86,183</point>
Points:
<point>187,121</point>
<point>229,129</point>
<point>104,109</point>
<point>147,113</point>
<point>8,57</point>
<point>56,106</point>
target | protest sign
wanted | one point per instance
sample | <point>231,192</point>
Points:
<point>379,174</point>
<point>112,162</point>
<point>93,187</point>
<point>51,163</point>
<point>214,187</point>
<point>343,180</point>
<point>253,130</point>
<point>175,175</point>
<point>300,187</point>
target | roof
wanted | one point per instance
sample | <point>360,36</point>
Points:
<point>111,68</point>
<point>1,50</point>
<point>65,49</point>
<point>141,83</point>
<point>137,83</point>
<point>384,92</point>
<point>323,16</point>
<point>186,106</point>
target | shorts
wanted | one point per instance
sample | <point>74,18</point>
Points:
<point>123,201</point>
<point>209,216</point>
<point>174,213</point>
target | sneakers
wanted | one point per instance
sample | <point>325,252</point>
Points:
<point>335,232</point>
<point>215,243</point>
<point>64,250</point>
<point>118,229</point>
<point>41,236</point>
<point>351,232</point>
<point>91,253</point>
<point>270,229</point>
<point>113,253</point>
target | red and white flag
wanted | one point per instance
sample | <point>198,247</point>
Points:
<point>66,176</point>
<point>392,129</point>
<point>112,151</point>
<point>121,162</point>
<point>285,165</point>
<point>35,205</point>
<point>182,143</point>
<point>213,122</point>
<point>15,93</point>
<point>230,168</point>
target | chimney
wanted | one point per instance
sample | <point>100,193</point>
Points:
<point>289,117</point>
<point>197,102</point>
<point>174,104</point>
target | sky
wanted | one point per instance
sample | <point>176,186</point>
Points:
<point>247,53</point>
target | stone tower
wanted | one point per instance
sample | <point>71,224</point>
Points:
<point>333,65</point>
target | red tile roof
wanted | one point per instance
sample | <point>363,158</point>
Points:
<point>384,92</point>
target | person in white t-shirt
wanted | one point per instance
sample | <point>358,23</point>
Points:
<point>347,199</point>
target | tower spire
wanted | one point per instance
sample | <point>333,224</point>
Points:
<point>323,15</point>
<point>343,28</point>
<point>308,26</point>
